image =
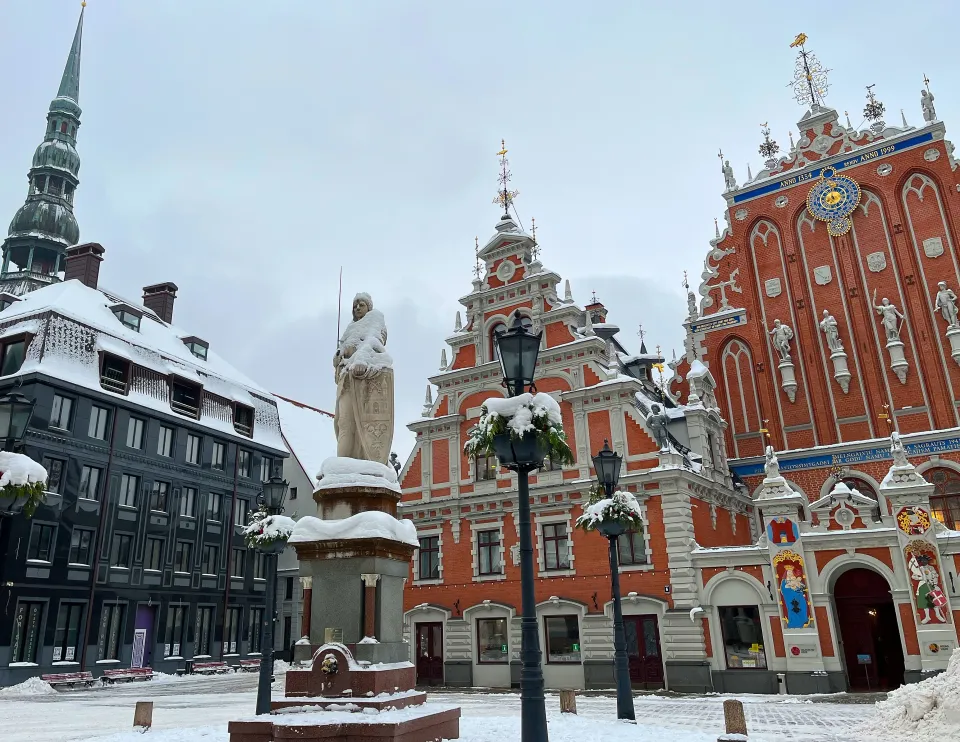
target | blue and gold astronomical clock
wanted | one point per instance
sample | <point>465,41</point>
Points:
<point>832,200</point>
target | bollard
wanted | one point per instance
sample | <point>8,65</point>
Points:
<point>568,702</point>
<point>734,721</point>
<point>143,714</point>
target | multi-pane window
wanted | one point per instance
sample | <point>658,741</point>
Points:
<point>188,502</point>
<point>492,641</point>
<point>209,563</point>
<point>12,357</point>
<point>237,564</point>
<point>41,542</point>
<point>60,413</point>
<point>185,398</point>
<point>174,631</point>
<point>181,556</point>
<point>231,630</point>
<point>243,463</point>
<point>66,641</point>
<point>81,546</point>
<point>98,422</point>
<point>129,487</point>
<point>153,554</point>
<point>429,559</point>
<point>265,464</point>
<point>216,456</point>
<point>742,632</point>
<point>54,469</point>
<point>135,433</point>
<point>158,496</point>
<point>193,449</point>
<point>488,552</point>
<point>110,636</point>
<point>555,546</point>
<point>485,467</point>
<point>26,631</point>
<point>255,629</point>
<point>213,506</point>
<point>243,420</point>
<point>240,512</point>
<point>90,483</point>
<point>945,500</point>
<point>121,551</point>
<point>165,442</point>
<point>259,565</point>
<point>632,548</point>
<point>562,638</point>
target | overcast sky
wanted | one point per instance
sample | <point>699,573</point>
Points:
<point>247,150</point>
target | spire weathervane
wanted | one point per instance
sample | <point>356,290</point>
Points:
<point>536,246</point>
<point>769,147</point>
<point>874,110</point>
<point>809,81</point>
<point>686,283</point>
<point>505,196</point>
<point>476,257</point>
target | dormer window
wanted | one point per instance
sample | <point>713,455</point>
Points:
<point>129,316</point>
<point>7,300</point>
<point>243,420</point>
<point>197,346</point>
<point>185,397</point>
<point>114,374</point>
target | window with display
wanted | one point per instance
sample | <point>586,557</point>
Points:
<point>562,638</point>
<point>492,647</point>
<point>742,637</point>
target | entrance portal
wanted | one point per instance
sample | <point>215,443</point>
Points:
<point>643,651</point>
<point>429,653</point>
<point>869,636</point>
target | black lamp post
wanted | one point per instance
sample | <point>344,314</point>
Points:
<point>607,465</point>
<point>271,499</point>
<point>518,350</point>
<point>15,413</point>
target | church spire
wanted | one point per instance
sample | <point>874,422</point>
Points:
<point>70,82</point>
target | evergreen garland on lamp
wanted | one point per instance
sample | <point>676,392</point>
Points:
<point>518,416</point>
<point>22,480</point>
<point>622,508</point>
<point>265,530</point>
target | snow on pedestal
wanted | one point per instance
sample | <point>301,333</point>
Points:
<point>371,524</point>
<point>340,471</point>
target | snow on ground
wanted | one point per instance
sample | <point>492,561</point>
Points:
<point>197,709</point>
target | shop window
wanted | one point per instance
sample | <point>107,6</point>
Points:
<point>562,638</point>
<point>429,558</point>
<point>173,634</point>
<point>492,647</point>
<point>66,641</point>
<point>255,630</point>
<point>632,548</point>
<point>555,546</point>
<point>26,632</point>
<point>488,552</point>
<point>110,635</point>
<point>945,500</point>
<point>742,637</point>
<point>231,631</point>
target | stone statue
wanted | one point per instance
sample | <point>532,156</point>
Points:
<point>829,326</point>
<point>891,317</point>
<point>946,303</point>
<point>692,305</point>
<point>730,183</point>
<point>363,422</point>
<point>771,467</point>
<point>926,104</point>
<point>897,450</point>
<point>657,422</point>
<point>782,335</point>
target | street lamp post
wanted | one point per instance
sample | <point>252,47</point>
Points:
<point>607,465</point>
<point>518,351</point>
<point>15,413</point>
<point>271,500</point>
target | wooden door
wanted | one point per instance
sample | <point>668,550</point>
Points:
<point>429,653</point>
<point>643,651</point>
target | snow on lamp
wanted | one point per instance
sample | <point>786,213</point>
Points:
<point>518,349</point>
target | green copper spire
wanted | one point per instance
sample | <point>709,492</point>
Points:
<point>44,227</point>
<point>70,83</point>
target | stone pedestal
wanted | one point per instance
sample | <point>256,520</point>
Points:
<point>840,370</point>
<point>788,379</point>
<point>953,335</point>
<point>898,362</point>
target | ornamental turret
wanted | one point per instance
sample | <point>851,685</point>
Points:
<point>41,231</point>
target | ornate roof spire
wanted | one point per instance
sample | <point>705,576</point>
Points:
<point>874,111</point>
<point>809,81</point>
<point>70,82</point>
<point>505,196</point>
<point>769,147</point>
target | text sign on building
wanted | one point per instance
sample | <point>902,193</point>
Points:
<point>707,324</point>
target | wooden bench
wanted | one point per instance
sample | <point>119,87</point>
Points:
<point>69,680</point>
<point>250,665</point>
<point>210,668</point>
<point>128,675</point>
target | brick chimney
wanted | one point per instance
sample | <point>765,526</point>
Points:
<point>83,263</point>
<point>159,298</point>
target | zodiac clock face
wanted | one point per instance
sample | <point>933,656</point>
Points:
<point>832,200</point>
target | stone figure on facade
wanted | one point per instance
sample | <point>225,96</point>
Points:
<point>363,369</point>
<point>890,317</point>
<point>771,467</point>
<point>730,183</point>
<point>946,304</point>
<point>926,105</point>
<point>897,451</point>
<point>832,332</point>
<point>657,422</point>
<point>782,335</point>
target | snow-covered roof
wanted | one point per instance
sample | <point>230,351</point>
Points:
<point>308,433</point>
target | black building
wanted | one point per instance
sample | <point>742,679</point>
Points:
<point>154,446</point>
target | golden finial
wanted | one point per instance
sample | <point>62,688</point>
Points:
<point>503,148</point>
<point>799,41</point>
<point>83,3</point>
<point>505,196</point>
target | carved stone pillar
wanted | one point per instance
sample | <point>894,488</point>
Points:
<point>307,583</point>
<point>370,604</point>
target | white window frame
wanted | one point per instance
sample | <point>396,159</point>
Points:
<point>539,522</point>
<point>646,543</point>
<point>424,533</point>
<point>475,528</point>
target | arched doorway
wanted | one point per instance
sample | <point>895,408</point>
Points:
<point>869,635</point>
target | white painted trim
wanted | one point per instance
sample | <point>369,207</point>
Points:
<point>541,520</point>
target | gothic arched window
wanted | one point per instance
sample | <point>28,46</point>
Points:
<point>501,328</point>
<point>945,500</point>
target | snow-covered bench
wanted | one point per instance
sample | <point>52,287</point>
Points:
<point>250,665</point>
<point>69,680</point>
<point>210,668</point>
<point>128,675</point>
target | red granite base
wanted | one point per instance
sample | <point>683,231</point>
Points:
<point>430,727</point>
<point>380,704</point>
